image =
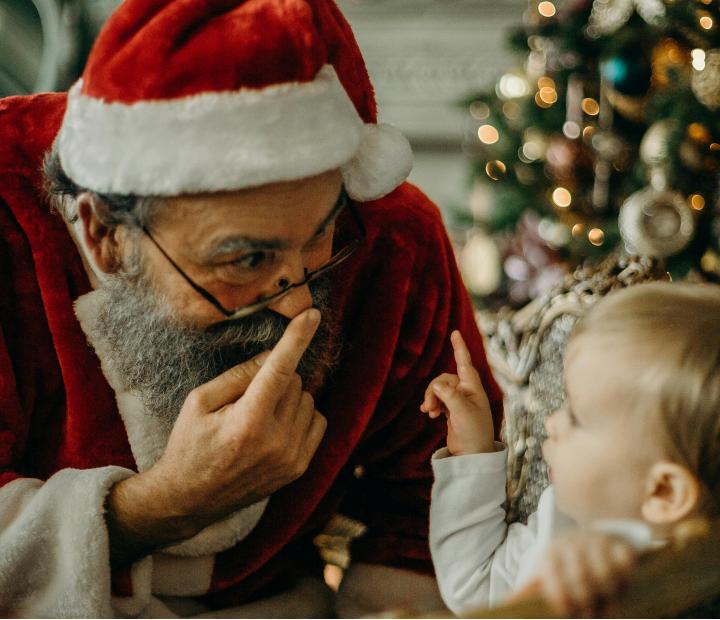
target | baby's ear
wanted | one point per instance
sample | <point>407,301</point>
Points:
<point>672,493</point>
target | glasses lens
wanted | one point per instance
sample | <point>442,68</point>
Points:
<point>349,237</point>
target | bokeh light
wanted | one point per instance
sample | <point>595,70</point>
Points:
<point>562,197</point>
<point>488,134</point>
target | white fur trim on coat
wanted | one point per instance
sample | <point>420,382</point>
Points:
<point>224,140</point>
<point>54,549</point>
<point>183,569</point>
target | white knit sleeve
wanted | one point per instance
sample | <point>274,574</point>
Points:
<point>476,555</point>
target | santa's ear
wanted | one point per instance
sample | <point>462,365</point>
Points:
<point>672,493</point>
<point>99,234</point>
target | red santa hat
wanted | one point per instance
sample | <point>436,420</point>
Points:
<point>189,96</point>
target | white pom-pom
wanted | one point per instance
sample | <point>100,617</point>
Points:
<point>382,162</point>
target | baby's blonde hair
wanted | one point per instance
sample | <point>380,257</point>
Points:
<point>672,333</point>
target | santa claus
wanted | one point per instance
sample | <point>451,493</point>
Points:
<point>221,304</point>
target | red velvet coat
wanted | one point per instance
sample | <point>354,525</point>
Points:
<point>400,296</point>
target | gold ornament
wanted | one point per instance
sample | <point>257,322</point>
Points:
<point>630,106</point>
<point>669,58</point>
<point>656,223</point>
<point>705,82</point>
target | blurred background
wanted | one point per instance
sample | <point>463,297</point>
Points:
<point>549,132</point>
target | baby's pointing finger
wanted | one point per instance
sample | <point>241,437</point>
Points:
<point>466,371</point>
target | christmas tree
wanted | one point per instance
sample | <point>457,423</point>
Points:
<point>606,138</point>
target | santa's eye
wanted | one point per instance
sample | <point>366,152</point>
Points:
<point>252,260</point>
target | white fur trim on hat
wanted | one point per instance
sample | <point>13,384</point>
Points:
<point>382,162</point>
<point>226,140</point>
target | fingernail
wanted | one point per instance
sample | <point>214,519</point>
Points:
<point>260,359</point>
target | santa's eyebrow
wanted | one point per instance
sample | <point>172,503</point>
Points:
<point>340,204</point>
<point>240,243</point>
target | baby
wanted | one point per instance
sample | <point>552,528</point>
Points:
<point>634,451</point>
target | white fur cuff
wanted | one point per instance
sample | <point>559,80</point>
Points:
<point>54,550</point>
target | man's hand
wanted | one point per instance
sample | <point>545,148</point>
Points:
<point>463,400</point>
<point>581,574</point>
<point>237,439</point>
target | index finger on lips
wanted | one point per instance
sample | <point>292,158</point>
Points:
<point>230,385</point>
<point>277,371</point>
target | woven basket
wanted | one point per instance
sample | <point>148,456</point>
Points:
<point>525,349</point>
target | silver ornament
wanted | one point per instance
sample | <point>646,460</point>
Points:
<point>607,16</point>
<point>656,223</point>
<point>652,11</point>
<point>705,82</point>
<point>654,144</point>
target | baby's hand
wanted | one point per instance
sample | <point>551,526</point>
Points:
<point>582,572</point>
<point>463,400</point>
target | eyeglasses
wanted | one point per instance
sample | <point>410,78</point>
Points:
<point>338,257</point>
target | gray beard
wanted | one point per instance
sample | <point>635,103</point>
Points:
<point>161,359</point>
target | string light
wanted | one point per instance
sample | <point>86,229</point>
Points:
<point>512,86</point>
<point>578,230</point>
<point>540,102</point>
<point>706,21</point>
<point>588,132</point>
<point>710,262</point>
<point>590,106</point>
<point>524,174</point>
<point>511,110</point>
<point>562,197</point>
<point>495,169</point>
<point>546,9</point>
<point>698,59</point>
<point>698,132</point>
<point>546,96</point>
<point>714,146</point>
<point>479,110</point>
<point>571,129</point>
<point>531,151</point>
<point>697,202</point>
<point>546,82</point>
<point>488,134</point>
<point>596,236</point>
